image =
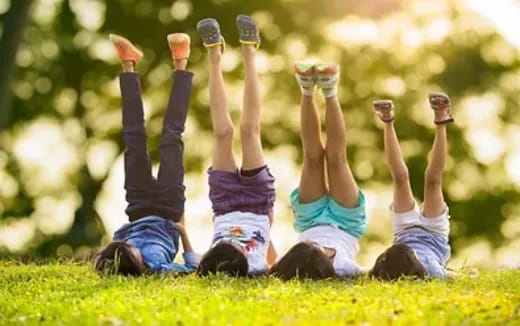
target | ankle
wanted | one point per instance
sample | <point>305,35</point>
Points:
<point>308,91</point>
<point>214,54</point>
<point>440,115</point>
<point>128,66</point>
<point>180,64</point>
<point>331,98</point>
<point>248,49</point>
<point>307,98</point>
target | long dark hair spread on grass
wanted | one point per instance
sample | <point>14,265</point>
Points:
<point>225,258</point>
<point>398,260</point>
<point>119,258</point>
<point>304,260</point>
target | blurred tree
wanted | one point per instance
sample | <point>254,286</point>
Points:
<point>13,22</point>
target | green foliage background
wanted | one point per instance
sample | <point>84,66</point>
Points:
<point>65,76</point>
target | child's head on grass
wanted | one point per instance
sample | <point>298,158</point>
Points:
<point>224,257</point>
<point>120,257</point>
<point>397,261</point>
<point>304,260</point>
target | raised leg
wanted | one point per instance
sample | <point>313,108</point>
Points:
<point>403,200</point>
<point>139,181</point>
<point>312,181</point>
<point>434,204</point>
<point>170,197</point>
<point>343,187</point>
<point>223,158</point>
<point>250,123</point>
<point>138,173</point>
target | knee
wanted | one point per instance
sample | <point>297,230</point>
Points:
<point>336,158</point>
<point>171,134</point>
<point>224,132</point>
<point>314,159</point>
<point>248,129</point>
<point>432,178</point>
<point>402,176</point>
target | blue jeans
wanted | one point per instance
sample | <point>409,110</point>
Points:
<point>162,196</point>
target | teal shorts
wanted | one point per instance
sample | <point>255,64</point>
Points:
<point>326,211</point>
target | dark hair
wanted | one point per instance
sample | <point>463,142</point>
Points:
<point>398,260</point>
<point>119,258</point>
<point>225,258</point>
<point>304,260</point>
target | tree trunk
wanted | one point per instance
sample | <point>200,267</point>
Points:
<point>13,25</point>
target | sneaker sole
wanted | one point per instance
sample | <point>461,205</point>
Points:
<point>179,44</point>
<point>326,68</point>
<point>304,69</point>
<point>209,30</point>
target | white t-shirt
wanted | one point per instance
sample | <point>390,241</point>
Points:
<point>346,246</point>
<point>250,231</point>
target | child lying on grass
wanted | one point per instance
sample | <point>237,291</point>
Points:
<point>155,206</point>
<point>242,199</point>
<point>420,246</point>
<point>330,212</point>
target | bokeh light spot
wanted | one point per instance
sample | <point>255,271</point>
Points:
<point>89,13</point>
<point>181,9</point>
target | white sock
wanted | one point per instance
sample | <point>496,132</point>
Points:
<point>330,92</point>
<point>307,84</point>
<point>308,91</point>
<point>328,84</point>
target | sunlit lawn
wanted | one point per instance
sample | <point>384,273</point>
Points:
<point>64,293</point>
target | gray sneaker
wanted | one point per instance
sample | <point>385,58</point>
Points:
<point>248,30</point>
<point>209,30</point>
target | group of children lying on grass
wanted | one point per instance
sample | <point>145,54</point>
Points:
<point>328,205</point>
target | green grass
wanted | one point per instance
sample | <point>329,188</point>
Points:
<point>68,293</point>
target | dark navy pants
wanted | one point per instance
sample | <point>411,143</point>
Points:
<point>162,196</point>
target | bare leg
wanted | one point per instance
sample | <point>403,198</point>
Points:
<point>180,64</point>
<point>223,158</point>
<point>343,187</point>
<point>433,199</point>
<point>250,123</point>
<point>128,66</point>
<point>312,182</point>
<point>403,200</point>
